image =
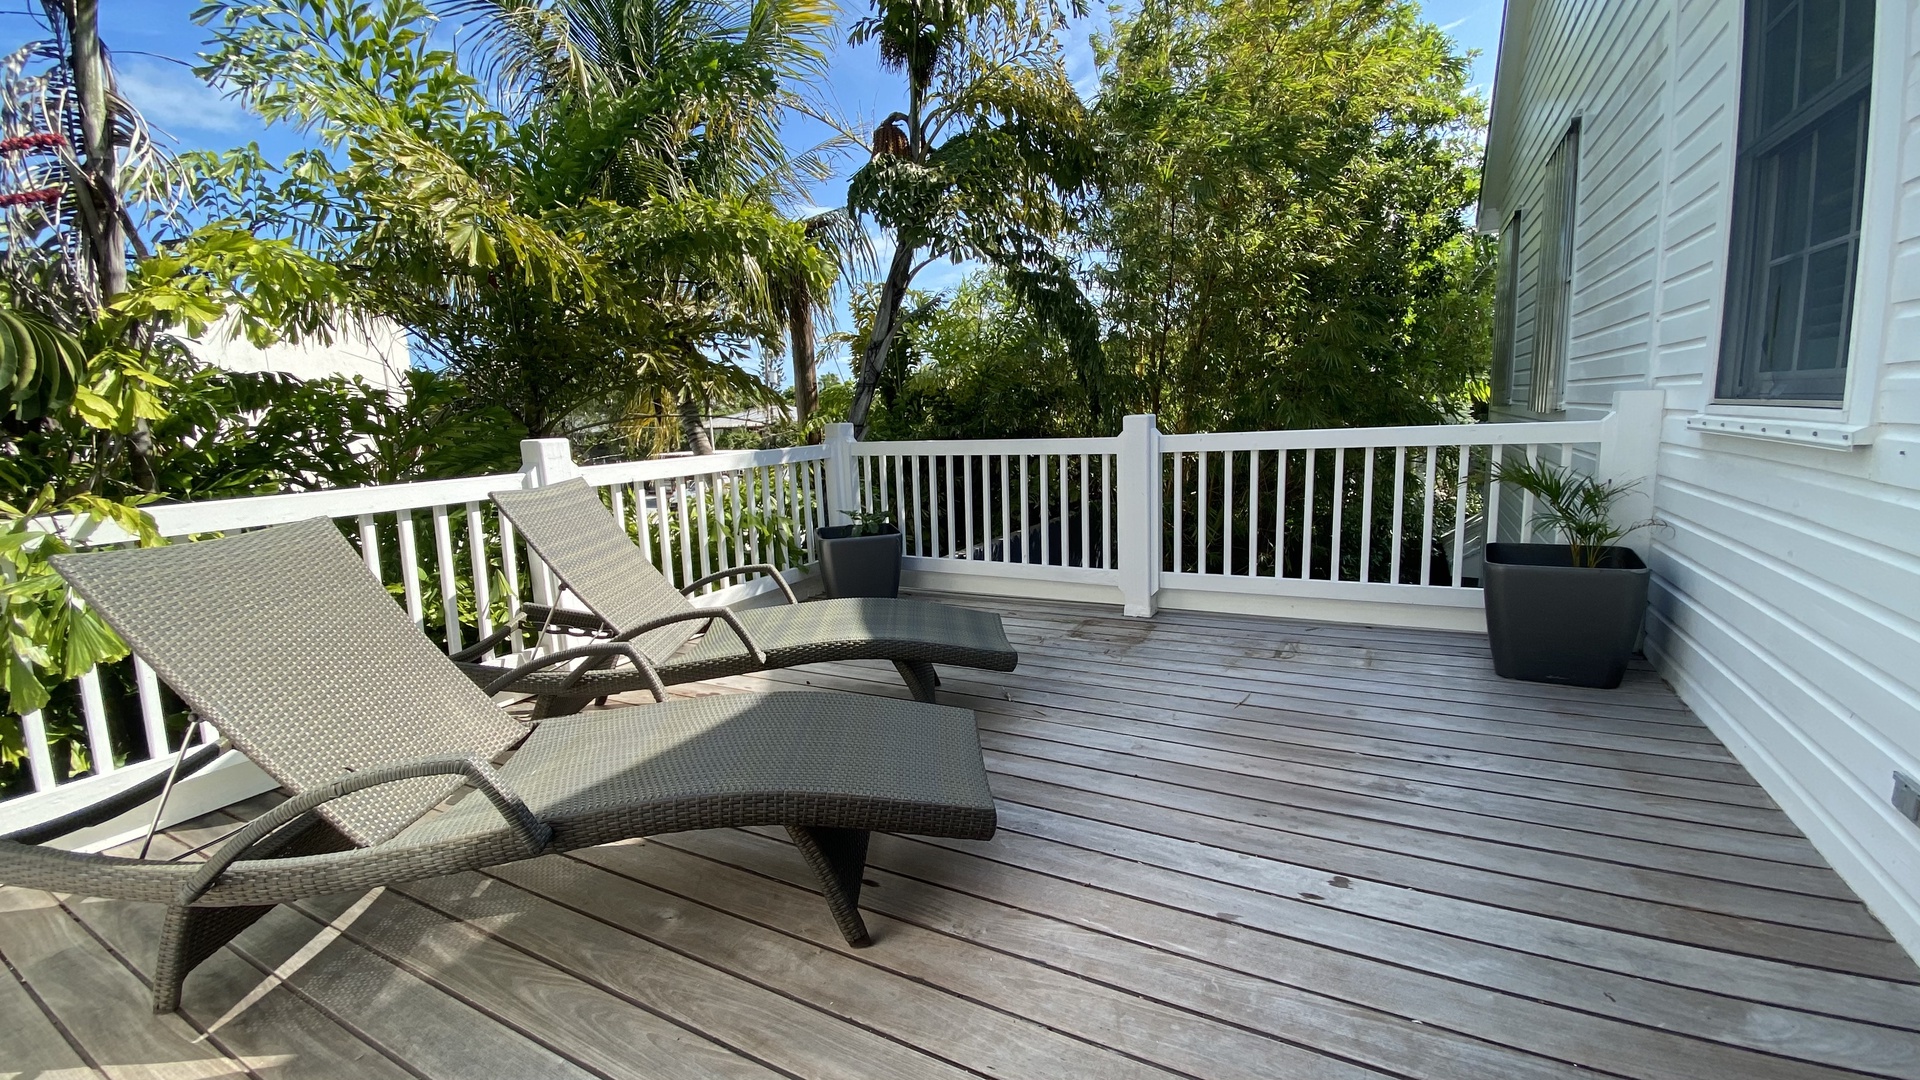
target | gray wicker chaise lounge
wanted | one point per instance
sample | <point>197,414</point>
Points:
<point>398,766</point>
<point>569,528</point>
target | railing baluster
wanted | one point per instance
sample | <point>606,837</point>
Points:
<point>1253,513</point>
<point>686,531</point>
<point>1306,520</point>
<point>449,581</point>
<point>370,545</point>
<point>917,543</point>
<point>1047,517</point>
<point>1202,549</point>
<point>664,523</point>
<point>1280,514</point>
<point>93,714</point>
<point>33,732</point>
<point>703,489</point>
<point>410,566</point>
<point>1226,514</point>
<point>510,569</point>
<point>1066,514</point>
<point>1107,548</point>
<point>1026,495</point>
<point>1526,498</point>
<point>967,549</point>
<point>153,713</point>
<point>1493,496</point>
<point>1426,528</point>
<point>477,558</point>
<point>1179,512</point>
<point>1366,516</point>
<point>1399,506</point>
<point>1339,509</point>
<point>1460,517</point>
<point>1006,508</point>
<point>619,504</point>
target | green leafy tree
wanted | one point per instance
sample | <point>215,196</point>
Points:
<point>978,164</point>
<point>585,228</point>
<point>1281,216</point>
<point>977,363</point>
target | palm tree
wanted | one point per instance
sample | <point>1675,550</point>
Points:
<point>837,234</point>
<point>977,164</point>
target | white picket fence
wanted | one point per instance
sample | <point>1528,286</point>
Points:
<point>1362,525</point>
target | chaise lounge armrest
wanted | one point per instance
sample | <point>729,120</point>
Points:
<point>542,618</point>
<point>599,649</point>
<point>229,879</point>
<point>530,830</point>
<point>768,569</point>
<point>703,614</point>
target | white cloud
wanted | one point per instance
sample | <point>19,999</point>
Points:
<point>180,103</point>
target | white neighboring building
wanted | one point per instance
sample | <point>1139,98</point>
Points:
<point>1720,200</point>
<point>375,350</point>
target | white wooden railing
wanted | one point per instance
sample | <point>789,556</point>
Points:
<point>454,565</point>
<point>1376,525</point>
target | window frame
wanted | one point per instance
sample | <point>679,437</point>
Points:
<point>1845,423</point>
<point>1559,290</point>
<point>1506,309</point>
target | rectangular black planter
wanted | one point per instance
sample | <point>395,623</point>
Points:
<point>859,565</point>
<point>1551,621</point>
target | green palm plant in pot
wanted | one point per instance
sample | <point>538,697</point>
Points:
<point>1567,612</point>
<point>862,557</point>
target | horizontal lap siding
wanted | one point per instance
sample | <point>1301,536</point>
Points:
<point>1786,600</point>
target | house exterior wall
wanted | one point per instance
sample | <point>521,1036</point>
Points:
<point>1786,590</point>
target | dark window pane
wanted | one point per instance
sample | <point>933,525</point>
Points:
<point>1780,310</point>
<point>1819,47</point>
<point>1777,72</point>
<point>1777,8</point>
<point>1824,326</point>
<point>1787,197</point>
<point>1857,34</point>
<point>1836,175</point>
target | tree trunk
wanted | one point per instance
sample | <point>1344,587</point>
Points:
<point>806,378</point>
<point>694,426</point>
<point>106,231</point>
<point>101,215</point>
<point>886,323</point>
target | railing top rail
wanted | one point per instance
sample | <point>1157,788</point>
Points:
<point>626,472</point>
<point>225,515</point>
<point>1562,431</point>
<point>963,447</point>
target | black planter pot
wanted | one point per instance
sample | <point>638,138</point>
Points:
<point>859,565</point>
<point>1551,621</point>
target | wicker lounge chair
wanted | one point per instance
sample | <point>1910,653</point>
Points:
<point>570,530</point>
<point>282,641</point>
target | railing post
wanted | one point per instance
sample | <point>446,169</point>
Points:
<point>840,493</point>
<point>547,461</point>
<point>1630,454</point>
<point>1137,515</point>
<point>543,462</point>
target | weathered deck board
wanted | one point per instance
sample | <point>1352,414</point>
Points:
<point>1230,848</point>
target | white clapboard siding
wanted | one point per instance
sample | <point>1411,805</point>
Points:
<point>1786,597</point>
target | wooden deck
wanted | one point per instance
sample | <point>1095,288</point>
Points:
<point>1229,848</point>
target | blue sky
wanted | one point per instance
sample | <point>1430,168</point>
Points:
<point>155,41</point>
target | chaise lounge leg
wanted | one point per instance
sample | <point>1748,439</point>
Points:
<point>189,936</point>
<point>920,678</point>
<point>838,858</point>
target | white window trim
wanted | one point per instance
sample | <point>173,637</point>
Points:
<point>1849,424</point>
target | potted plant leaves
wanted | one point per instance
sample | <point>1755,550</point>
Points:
<point>862,557</point>
<point>1570,612</point>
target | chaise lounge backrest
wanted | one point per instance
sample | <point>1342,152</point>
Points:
<point>575,535</point>
<point>330,677</point>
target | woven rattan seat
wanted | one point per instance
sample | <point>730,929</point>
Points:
<point>569,528</point>
<point>399,768</point>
